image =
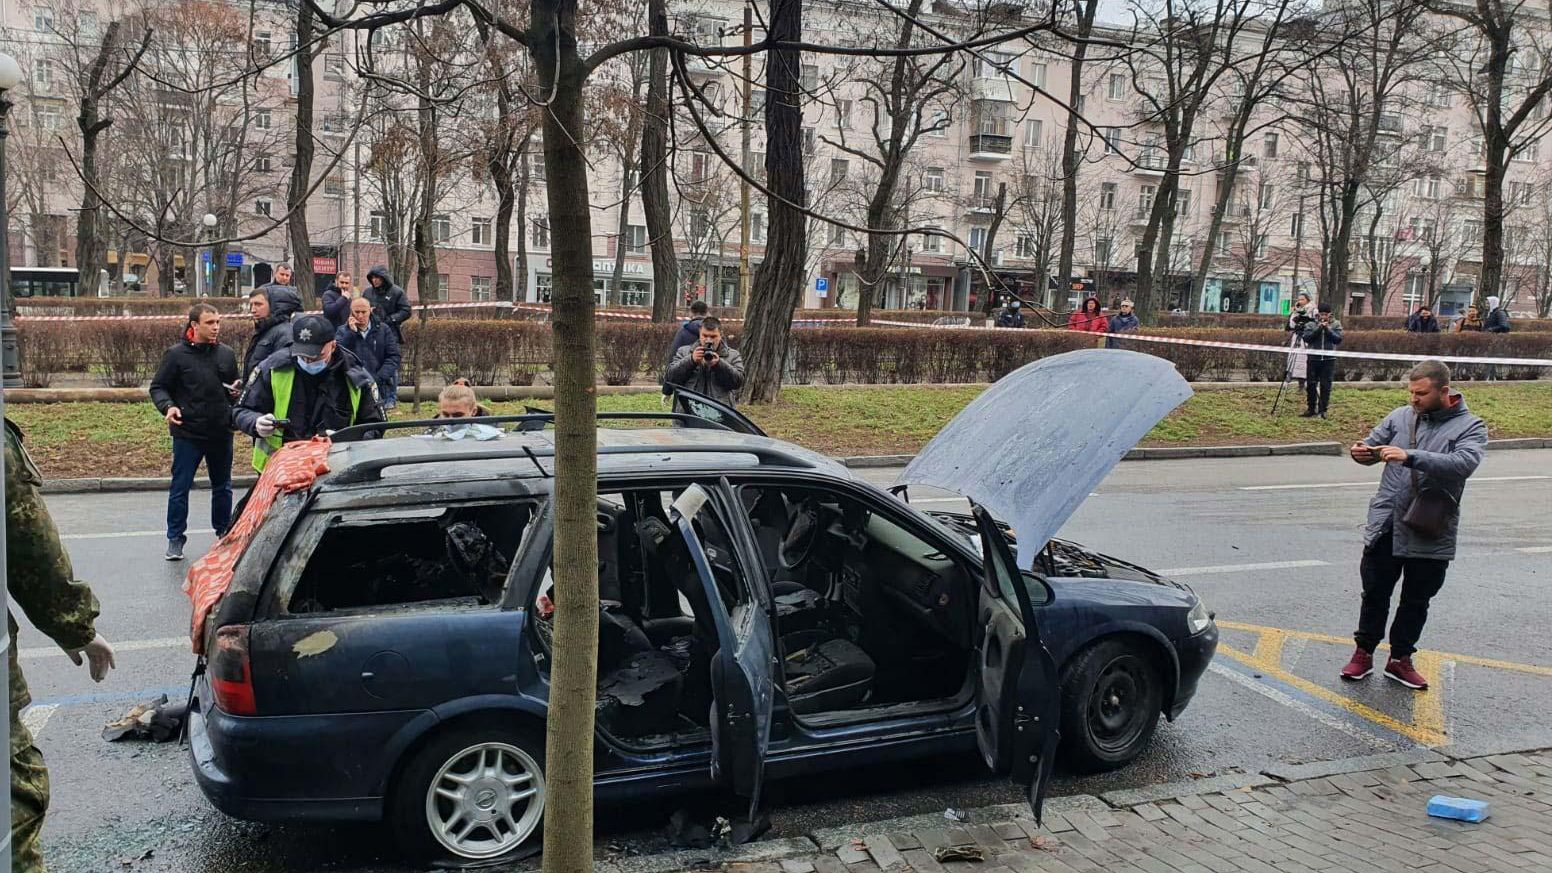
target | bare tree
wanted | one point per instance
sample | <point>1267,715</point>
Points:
<point>1503,63</point>
<point>1083,12</point>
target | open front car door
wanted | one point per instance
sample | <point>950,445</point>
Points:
<point>1018,689</point>
<point>742,670</point>
<point>719,414</point>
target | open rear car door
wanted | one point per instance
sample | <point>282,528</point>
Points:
<point>1018,690</point>
<point>742,673</point>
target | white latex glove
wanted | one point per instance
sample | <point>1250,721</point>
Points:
<point>265,426</point>
<point>99,658</point>
<point>667,400</point>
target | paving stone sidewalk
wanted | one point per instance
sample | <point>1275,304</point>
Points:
<point>1362,822</point>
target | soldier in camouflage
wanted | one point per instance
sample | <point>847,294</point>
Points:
<point>41,582</point>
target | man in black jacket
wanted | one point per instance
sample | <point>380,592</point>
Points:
<point>273,307</point>
<point>311,387</point>
<point>392,306</point>
<point>194,389</point>
<point>336,299</point>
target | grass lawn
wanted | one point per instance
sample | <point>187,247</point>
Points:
<point>129,439</point>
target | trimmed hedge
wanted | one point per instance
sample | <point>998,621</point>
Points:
<point>125,353</point>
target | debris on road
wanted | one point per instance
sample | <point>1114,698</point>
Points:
<point>959,853</point>
<point>156,720</point>
<point>953,814</point>
<point>1457,808</point>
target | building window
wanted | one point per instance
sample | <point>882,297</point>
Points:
<point>42,19</point>
<point>89,24</point>
<point>440,287</point>
<point>810,78</point>
<point>1116,89</point>
<point>1032,133</point>
<point>541,233</point>
<point>43,75</point>
<point>839,167</point>
<point>480,232</point>
<point>1183,202</point>
<point>931,242</point>
<point>1024,246</point>
<point>481,288</point>
<point>47,115</point>
<point>635,238</point>
<point>1102,249</point>
<point>1296,226</point>
<point>1107,195</point>
<point>1112,137</point>
<point>700,224</point>
<point>1145,199</point>
<point>977,239</point>
<point>264,206</point>
<point>843,114</point>
<point>700,166</point>
<point>261,164</point>
<point>334,186</point>
<point>1264,195</point>
<point>536,163</point>
<point>1037,74</point>
<point>1260,245</point>
<point>262,119</point>
<point>1471,229</point>
<point>1428,187</point>
<point>543,285</point>
<point>810,140</point>
<point>756,100</point>
<point>333,68</point>
<point>441,228</point>
<point>938,126</point>
<point>982,189</point>
<point>757,226</point>
<point>933,179</point>
<point>1223,242</point>
<point>1269,145</point>
<point>1437,138</point>
<point>837,236</point>
<point>377,224</point>
<point>262,41</point>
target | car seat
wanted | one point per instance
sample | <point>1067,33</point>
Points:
<point>638,686</point>
<point>824,673</point>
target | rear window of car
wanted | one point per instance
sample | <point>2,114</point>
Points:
<point>424,556</point>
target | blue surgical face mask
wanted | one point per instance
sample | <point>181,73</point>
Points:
<point>311,368</point>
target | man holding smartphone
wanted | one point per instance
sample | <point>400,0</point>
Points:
<point>193,390</point>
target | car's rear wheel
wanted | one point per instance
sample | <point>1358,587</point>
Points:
<point>472,794</point>
<point>1111,698</point>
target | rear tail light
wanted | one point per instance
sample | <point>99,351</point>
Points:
<point>231,675</point>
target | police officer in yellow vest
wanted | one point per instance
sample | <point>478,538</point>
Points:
<point>304,391</point>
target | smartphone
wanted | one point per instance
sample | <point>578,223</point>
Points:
<point>281,422</point>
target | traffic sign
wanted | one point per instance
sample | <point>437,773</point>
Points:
<point>821,284</point>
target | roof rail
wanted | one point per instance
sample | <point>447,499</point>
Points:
<point>358,432</point>
<point>371,469</point>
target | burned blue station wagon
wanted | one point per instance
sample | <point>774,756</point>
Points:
<point>384,647</point>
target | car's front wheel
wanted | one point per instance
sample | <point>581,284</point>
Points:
<point>1111,698</point>
<point>472,794</point>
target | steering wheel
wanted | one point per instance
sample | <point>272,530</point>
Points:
<point>800,538</point>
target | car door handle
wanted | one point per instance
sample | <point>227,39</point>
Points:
<point>368,675</point>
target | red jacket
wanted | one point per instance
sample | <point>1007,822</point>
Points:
<point>1091,324</point>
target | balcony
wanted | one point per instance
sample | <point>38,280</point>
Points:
<point>997,89</point>
<point>990,147</point>
<point>1150,164</point>
<point>980,204</point>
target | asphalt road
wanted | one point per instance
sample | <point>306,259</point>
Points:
<point>1271,544</point>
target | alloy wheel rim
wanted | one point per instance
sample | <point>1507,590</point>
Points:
<point>485,800</point>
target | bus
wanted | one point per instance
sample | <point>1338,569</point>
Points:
<point>51,282</point>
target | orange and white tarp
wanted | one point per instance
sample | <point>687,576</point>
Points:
<point>294,468</point>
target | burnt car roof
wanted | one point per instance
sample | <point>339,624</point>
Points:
<point>522,454</point>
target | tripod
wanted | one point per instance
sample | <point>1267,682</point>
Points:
<point>1294,341</point>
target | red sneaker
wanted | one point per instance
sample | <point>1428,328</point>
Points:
<point>1361,665</point>
<point>1401,670</point>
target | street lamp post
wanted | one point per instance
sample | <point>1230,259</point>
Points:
<point>209,221</point>
<point>10,77</point>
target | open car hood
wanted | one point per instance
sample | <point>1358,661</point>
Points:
<point>1032,446</point>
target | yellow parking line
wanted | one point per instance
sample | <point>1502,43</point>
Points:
<point>1269,648</point>
<point>1532,669</point>
<point>1420,734</point>
<point>1428,706</point>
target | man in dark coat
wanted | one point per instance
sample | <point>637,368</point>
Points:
<point>273,308</point>
<point>373,344</point>
<point>689,334</point>
<point>313,386</point>
<point>1422,321</point>
<point>336,299</point>
<point>193,390</point>
<point>390,301</point>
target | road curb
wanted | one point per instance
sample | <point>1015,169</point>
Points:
<point>1360,764</point>
<point>693,859</point>
<point>1172,790</point>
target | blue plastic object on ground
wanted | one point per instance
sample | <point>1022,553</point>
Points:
<point>1458,808</point>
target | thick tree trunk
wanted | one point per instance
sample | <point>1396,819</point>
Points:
<point>568,827</point>
<point>1071,159</point>
<point>778,283</point>
<point>90,253</point>
<point>988,247</point>
<point>506,195</point>
<point>654,175</point>
<point>425,233</point>
<point>302,170</point>
<point>520,274</point>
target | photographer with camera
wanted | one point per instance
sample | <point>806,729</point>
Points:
<point>1324,333</point>
<point>709,367</point>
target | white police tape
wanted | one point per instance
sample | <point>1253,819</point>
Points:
<point>1333,353</point>
<point>174,316</point>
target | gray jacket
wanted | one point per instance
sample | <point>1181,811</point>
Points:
<point>1449,447</point>
<point>720,383</point>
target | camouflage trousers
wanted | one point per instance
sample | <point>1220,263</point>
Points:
<point>29,800</point>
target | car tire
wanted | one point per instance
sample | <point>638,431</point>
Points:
<point>1111,698</point>
<point>480,763</point>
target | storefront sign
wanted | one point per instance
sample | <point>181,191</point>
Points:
<point>325,266</point>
